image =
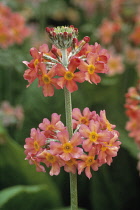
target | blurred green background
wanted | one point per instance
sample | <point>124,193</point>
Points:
<point>115,187</point>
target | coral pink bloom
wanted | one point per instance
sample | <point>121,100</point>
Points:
<point>71,165</point>
<point>51,160</point>
<point>109,149</point>
<point>68,77</point>
<point>102,53</point>
<point>105,124</point>
<point>82,118</point>
<point>92,67</point>
<point>93,135</point>
<point>115,65</point>
<point>50,127</point>
<point>35,143</point>
<point>47,80</point>
<point>87,162</point>
<point>35,161</point>
<point>67,149</point>
<point>32,73</point>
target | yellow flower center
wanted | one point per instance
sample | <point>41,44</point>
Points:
<point>69,75</point>
<point>93,136</point>
<point>91,69</point>
<point>67,147</point>
<point>50,158</point>
<point>36,146</point>
<point>50,127</point>
<point>46,79</point>
<point>71,162</point>
<point>36,62</point>
<point>89,161</point>
<point>84,120</point>
<point>103,148</point>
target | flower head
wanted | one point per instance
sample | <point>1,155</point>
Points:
<point>62,36</point>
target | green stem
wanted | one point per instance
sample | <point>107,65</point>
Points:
<point>68,111</point>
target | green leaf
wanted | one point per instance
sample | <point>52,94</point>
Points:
<point>27,197</point>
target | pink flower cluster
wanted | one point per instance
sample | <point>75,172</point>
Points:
<point>11,115</point>
<point>47,66</point>
<point>133,112</point>
<point>12,27</point>
<point>108,29</point>
<point>93,143</point>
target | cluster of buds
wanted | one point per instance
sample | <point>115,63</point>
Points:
<point>84,61</point>
<point>12,27</point>
<point>94,142</point>
<point>133,112</point>
<point>11,115</point>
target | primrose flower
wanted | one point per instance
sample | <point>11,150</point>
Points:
<point>92,67</point>
<point>109,149</point>
<point>115,65</point>
<point>82,118</point>
<point>51,160</point>
<point>50,128</point>
<point>105,124</point>
<point>68,78</point>
<point>132,106</point>
<point>93,135</point>
<point>47,80</point>
<point>71,165</point>
<point>66,148</point>
<point>35,143</point>
<point>87,162</point>
<point>33,160</point>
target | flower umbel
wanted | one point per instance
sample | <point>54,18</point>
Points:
<point>84,61</point>
<point>91,145</point>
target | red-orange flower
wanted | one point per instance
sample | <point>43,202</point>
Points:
<point>68,77</point>
<point>92,67</point>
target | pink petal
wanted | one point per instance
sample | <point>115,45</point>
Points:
<point>95,78</point>
<point>76,113</point>
<point>79,77</point>
<point>88,172</point>
<point>44,48</point>
<point>55,170</point>
<point>76,139</point>
<point>55,118</point>
<point>100,68</point>
<point>63,136</point>
<point>66,156</point>
<point>48,90</point>
<point>83,66</point>
<point>74,63</point>
<point>91,58</point>
<point>61,82</point>
<point>71,86</point>
<point>34,52</point>
<point>87,145</point>
<point>60,70</point>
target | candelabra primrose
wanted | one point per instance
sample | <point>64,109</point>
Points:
<point>88,140</point>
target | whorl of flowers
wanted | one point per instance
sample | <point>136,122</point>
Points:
<point>85,61</point>
<point>93,143</point>
<point>12,27</point>
<point>132,106</point>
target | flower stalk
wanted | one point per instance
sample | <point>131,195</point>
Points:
<point>68,111</point>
